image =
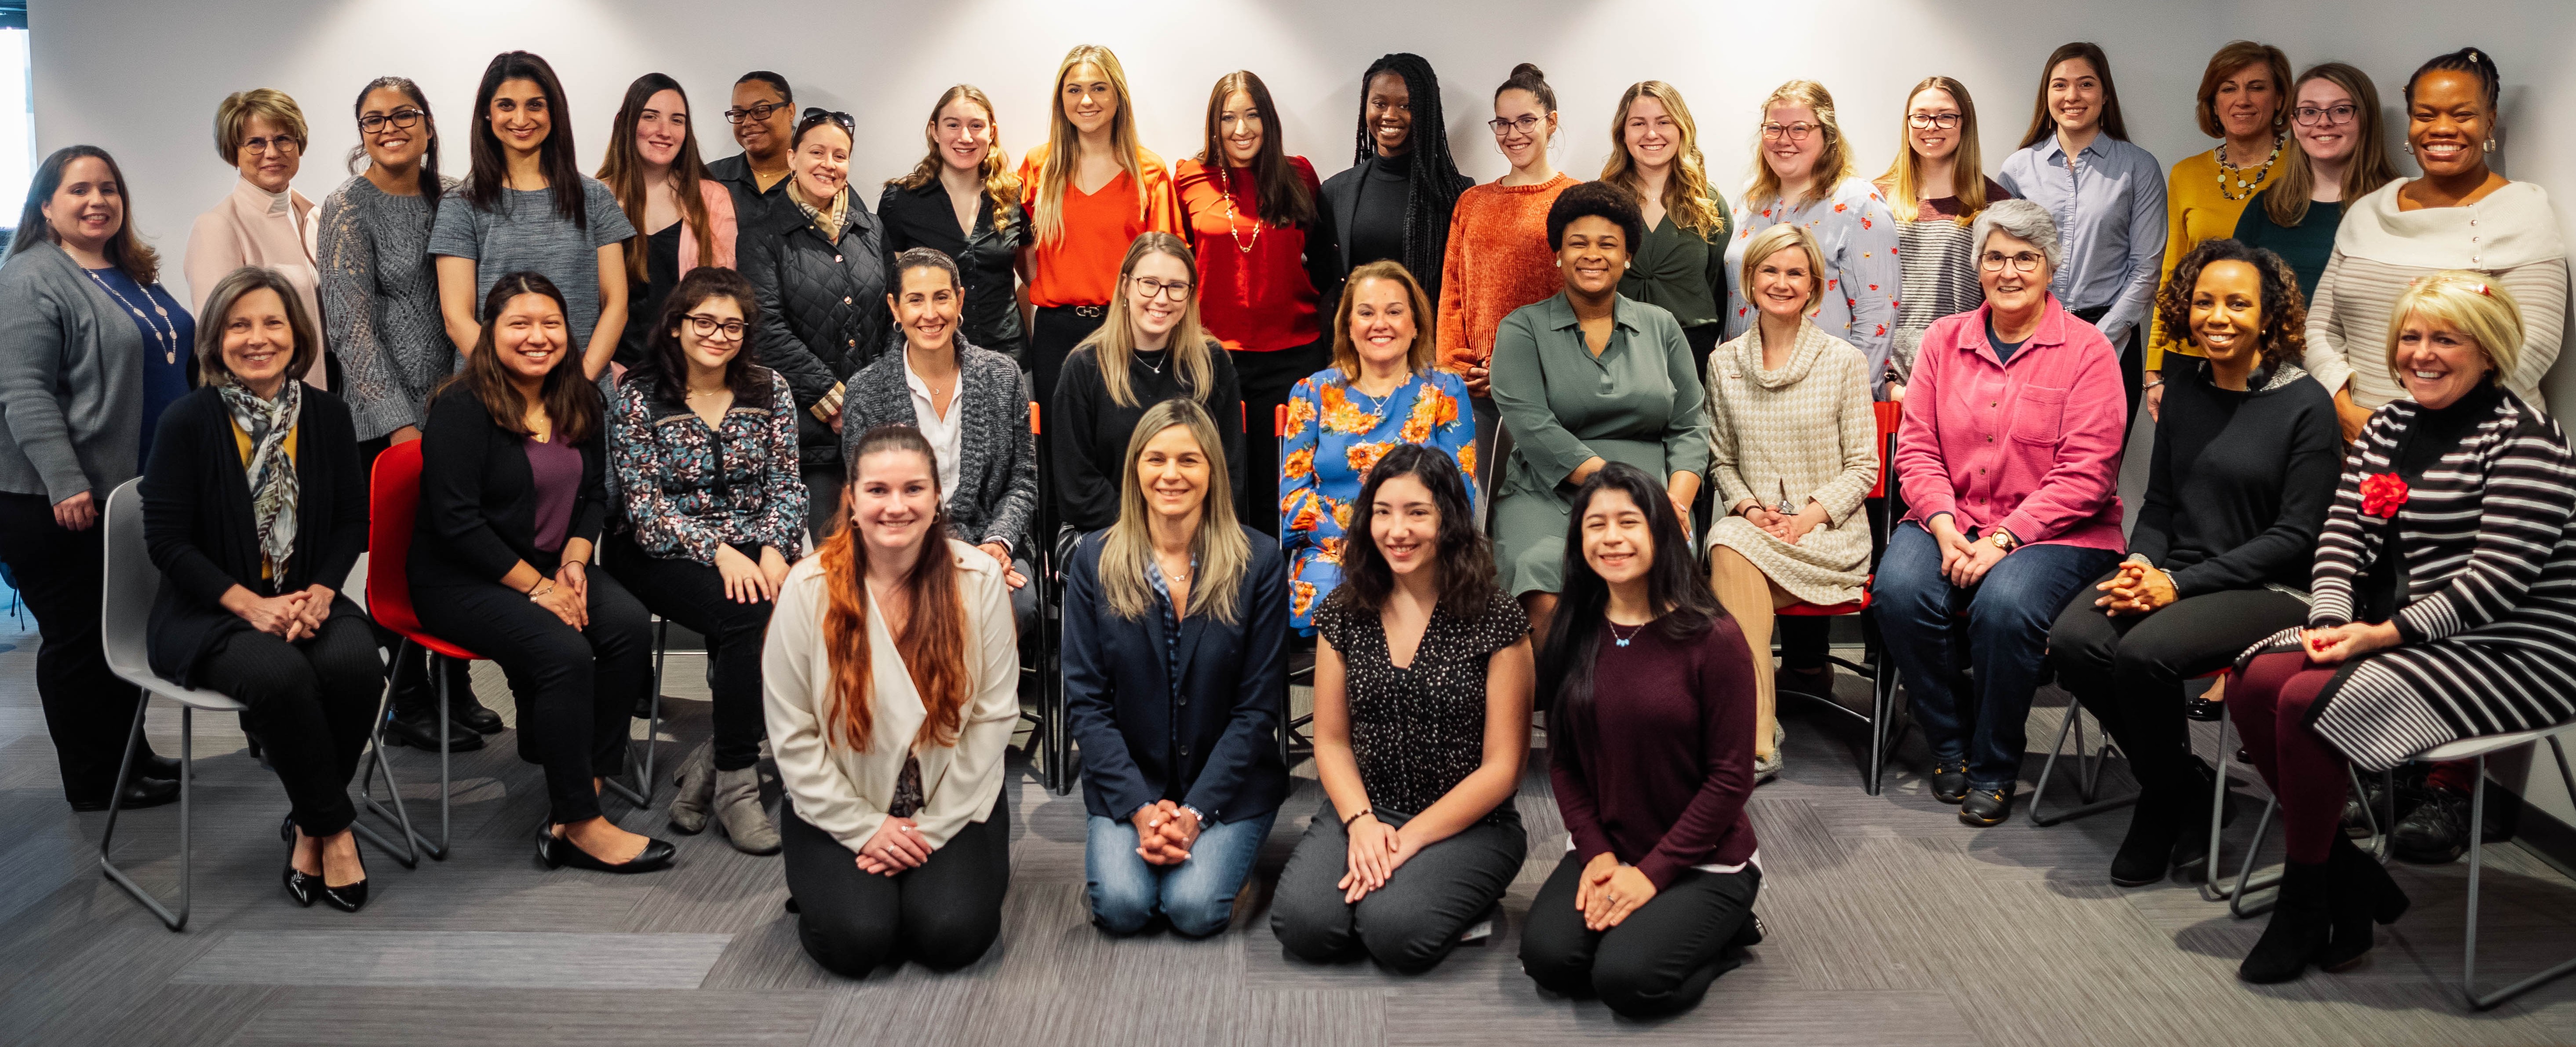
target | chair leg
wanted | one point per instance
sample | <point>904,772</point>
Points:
<point>641,793</point>
<point>178,920</point>
<point>2084,781</point>
<point>409,853</point>
<point>2477,867</point>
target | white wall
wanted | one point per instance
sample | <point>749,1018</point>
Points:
<point>142,78</point>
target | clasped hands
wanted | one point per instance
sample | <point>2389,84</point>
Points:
<point>1964,560</point>
<point>2138,588</point>
<point>895,846</point>
<point>1787,527</point>
<point>1376,851</point>
<point>288,616</point>
<point>1165,831</point>
<point>1609,891</point>
<point>2336,644</point>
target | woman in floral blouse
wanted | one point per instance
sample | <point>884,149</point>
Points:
<point>1805,177</point>
<point>1381,391</point>
<point>714,513</point>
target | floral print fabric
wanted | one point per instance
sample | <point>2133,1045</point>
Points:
<point>672,491</point>
<point>1863,277</point>
<point>1335,434</point>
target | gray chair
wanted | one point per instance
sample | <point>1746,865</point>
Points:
<point>2480,749</point>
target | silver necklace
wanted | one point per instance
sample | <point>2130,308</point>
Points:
<point>167,341</point>
<point>1632,633</point>
<point>1157,366</point>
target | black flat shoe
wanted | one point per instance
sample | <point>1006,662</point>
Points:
<point>299,886</point>
<point>1949,781</point>
<point>1986,808</point>
<point>558,852</point>
<point>139,793</point>
<point>418,728</point>
<point>2155,829</point>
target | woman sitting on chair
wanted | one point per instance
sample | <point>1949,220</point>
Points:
<point>256,513</point>
<point>892,682</point>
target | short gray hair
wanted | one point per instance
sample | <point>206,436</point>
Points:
<point>2021,220</point>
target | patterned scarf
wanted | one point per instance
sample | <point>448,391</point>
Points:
<point>827,221</point>
<point>270,472</point>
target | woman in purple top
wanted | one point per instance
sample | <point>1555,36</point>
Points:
<point>511,500</point>
<point>1654,898</point>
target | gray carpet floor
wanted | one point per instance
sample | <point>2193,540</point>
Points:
<point>1890,923</point>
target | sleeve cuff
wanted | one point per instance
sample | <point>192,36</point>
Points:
<point>1660,870</point>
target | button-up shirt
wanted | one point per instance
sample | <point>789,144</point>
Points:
<point>1171,615</point>
<point>2110,212</point>
<point>944,433</point>
<point>2032,446</point>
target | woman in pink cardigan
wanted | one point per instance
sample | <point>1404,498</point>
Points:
<point>263,221</point>
<point>651,166</point>
<point>2010,464</point>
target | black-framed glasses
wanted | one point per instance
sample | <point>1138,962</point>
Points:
<point>2025,261</point>
<point>2311,116</point>
<point>705,326</point>
<point>1928,121</point>
<point>1797,132</point>
<point>1148,287</point>
<point>755,114</point>
<point>374,122</point>
<point>1527,124</point>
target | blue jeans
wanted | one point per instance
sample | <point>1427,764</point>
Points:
<point>1936,632</point>
<point>1197,895</point>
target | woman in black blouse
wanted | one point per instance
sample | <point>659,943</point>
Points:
<point>511,500</point>
<point>1417,836</point>
<point>963,201</point>
<point>1396,198</point>
<point>1151,348</point>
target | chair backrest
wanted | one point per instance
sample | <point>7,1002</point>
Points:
<point>393,500</point>
<point>130,585</point>
<point>1891,414</point>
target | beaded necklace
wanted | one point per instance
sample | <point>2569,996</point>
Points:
<point>1241,246</point>
<point>166,340</point>
<point>2244,188</point>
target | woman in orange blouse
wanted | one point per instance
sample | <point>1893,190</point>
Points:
<point>1091,191</point>
<point>1498,258</point>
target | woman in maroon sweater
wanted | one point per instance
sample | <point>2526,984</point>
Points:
<point>1654,899</point>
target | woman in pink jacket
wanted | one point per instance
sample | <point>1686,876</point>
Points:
<point>2010,464</point>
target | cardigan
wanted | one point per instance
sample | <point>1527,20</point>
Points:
<point>1209,739</point>
<point>1498,260</point>
<point>686,489</point>
<point>2489,584</point>
<point>2197,209</point>
<point>1263,287</point>
<point>197,523</point>
<point>2379,249</point>
<point>2032,447</point>
<point>1090,431</point>
<point>922,217</point>
<point>1655,769</point>
<point>252,226</point>
<point>846,792</point>
<point>379,302</point>
<point>1804,432</point>
<point>71,378</point>
<point>478,497</point>
<point>996,496</point>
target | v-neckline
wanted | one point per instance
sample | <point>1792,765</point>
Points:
<point>1386,640</point>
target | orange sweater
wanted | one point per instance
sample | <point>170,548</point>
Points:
<point>1498,261</point>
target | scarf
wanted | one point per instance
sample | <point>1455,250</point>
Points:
<point>270,472</point>
<point>826,221</point>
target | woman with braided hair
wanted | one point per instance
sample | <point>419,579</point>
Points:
<point>1396,198</point>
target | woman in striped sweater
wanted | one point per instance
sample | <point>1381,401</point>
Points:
<point>2442,591</point>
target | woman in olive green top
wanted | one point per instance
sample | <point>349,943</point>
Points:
<point>1583,379</point>
<point>1680,264</point>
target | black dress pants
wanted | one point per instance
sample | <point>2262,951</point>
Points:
<point>2128,671</point>
<point>311,704</point>
<point>692,594</point>
<point>1053,333</point>
<point>942,914</point>
<point>1267,379</point>
<point>1660,960</point>
<point>575,688</point>
<point>88,710</point>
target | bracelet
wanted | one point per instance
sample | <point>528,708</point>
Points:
<point>1363,812</point>
<point>543,586</point>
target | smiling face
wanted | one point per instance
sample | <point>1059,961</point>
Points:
<point>1404,521</point>
<point>2227,312</point>
<point>1522,145</point>
<point>894,498</point>
<point>2014,293</point>
<point>1389,113</point>
<point>530,335</point>
<point>1930,106</point>
<point>926,307</point>
<point>2448,124</point>
<point>1617,540</point>
<point>1173,472</point>
<point>1382,322</point>
<point>2248,101</point>
<point>259,341</point>
<point>88,207</point>
<point>703,341</point>
<point>1238,128</point>
<point>2327,141</point>
<point>1783,283</point>
<point>1158,292</point>
<point>1089,100</point>
<point>395,148</point>
<point>268,157</point>
<point>762,137</point>
<point>1592,255</point>
<point>1792,158</point>
<point>2075,96</point>
<point>822,162</point>
<point>661,128</point>
<point>521,115</point>
<point>1650,135</point>
<point>2438,363</point>
<point>963,133</point>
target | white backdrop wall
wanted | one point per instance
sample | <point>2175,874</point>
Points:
<point>141,77</point>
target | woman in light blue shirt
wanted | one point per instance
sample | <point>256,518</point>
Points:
<point>2107,195</point>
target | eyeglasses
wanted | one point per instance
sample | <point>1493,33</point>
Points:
<point>705,326</point>
<point>285,146</point>
<point>2025,262</point>
<point>756,114</point>
<point>2311,116</point>
<point>1796,132</point>
<point>1527,124</point>
<point>374,122</point>
<point>1176,290</point>
<point>1928,121</point>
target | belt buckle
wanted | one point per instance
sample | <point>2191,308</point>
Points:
<point>1091,312</point>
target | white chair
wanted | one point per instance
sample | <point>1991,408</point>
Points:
<point>2481,748</point>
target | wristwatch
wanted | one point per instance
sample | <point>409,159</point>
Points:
<point>2003,539</point>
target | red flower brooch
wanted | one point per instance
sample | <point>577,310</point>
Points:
<point>2382,495</point>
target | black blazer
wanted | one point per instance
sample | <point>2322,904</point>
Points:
<point>1337,204</point>
<point>922,217</point>
<point>197,522</point>
<point>1216,747</point>
<point>478,498</point>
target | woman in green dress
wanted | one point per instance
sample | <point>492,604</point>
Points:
<point>1583,379</point>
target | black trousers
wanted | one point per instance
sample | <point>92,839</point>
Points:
<point>942,914</point>
<point>823,483</point>
<point>1053,333</point>
<point>1660,960</point>
<point>1267,379</point>
<point>88,710</point>
<point>692,594</point>
<point>311,704</point>
<point>2129,670</point>
<point>2132,360</point>
<point>575,689</point>
<point>1413,922</point>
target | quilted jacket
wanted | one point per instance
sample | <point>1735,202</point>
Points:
<point>822,308</point>
<point>997,466</point>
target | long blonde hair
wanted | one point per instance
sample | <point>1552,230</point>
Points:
<point>1904,178</point>
<point>1219,546</point>
<point>1687,196</point>
<point>1832,165</point>
<point>1001,184</point>
<point>1113,344</point>
<point>1064,141</point>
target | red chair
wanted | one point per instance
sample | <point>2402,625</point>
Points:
<point>1878,670</point>
<point>394,499</point>
<point>1047,737</point>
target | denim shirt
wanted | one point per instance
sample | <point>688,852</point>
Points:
<point>2110,212</point>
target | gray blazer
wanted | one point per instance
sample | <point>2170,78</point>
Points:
<point>71,380</point>
<point>997,465</point>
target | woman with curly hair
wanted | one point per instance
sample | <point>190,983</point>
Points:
<point>2244,469</point>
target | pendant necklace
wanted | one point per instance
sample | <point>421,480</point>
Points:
<point>1632,633</point>
<point>166,340</point>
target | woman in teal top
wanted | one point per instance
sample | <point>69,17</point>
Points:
<point>1381,391</point>
<point>1583,379</point>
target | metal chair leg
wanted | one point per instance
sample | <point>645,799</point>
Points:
<point>377,762</point>
<point>2247,882</point>
<point>176,921</point>
<point>2087,776</point>
<point>409,853</point>
<point>2477,867</point>
<point>641,793</point>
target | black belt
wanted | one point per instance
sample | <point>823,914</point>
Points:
<point>1087,312</point>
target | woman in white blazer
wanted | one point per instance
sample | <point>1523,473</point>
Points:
<point>896,830</point>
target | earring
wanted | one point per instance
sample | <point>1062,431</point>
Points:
<point>2408,146</point>
<point>2490,145</point>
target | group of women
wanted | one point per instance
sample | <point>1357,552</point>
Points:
<point>1519,419</point>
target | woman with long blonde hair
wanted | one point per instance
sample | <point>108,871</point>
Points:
<point>1149,348</point>
<point>1935,188</point>
<point>1181,772</point>
<point>890,680</point>
<point>1091,190</point>
<point>1680,265</point>
<point>962,200</point>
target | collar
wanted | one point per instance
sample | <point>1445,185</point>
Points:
<point>1623,312</point>
<point>2051,329</point>
<point>260,201</point>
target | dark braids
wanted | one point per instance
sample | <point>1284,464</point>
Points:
<point>2474,61</point>
<point>1436,183</point>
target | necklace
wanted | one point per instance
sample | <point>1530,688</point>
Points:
<point>2244,188</point>
<point>1632,633</point>
<point>168,340</point>
<point>1156,366</point>
<point>1376,404</point>
<point>1240,245</point>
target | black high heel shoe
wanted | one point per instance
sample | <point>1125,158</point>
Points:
<point>558,852</point>
<point>299,886</point>
<point>349,897</point>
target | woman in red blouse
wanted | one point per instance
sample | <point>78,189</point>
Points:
<point>1091,191</point>
<point>1266,263</point>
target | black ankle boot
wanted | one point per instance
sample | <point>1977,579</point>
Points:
<point>2360,894</point>
<point>2300,928</point>
<point>2154,825</point>
<point>2191,845</point>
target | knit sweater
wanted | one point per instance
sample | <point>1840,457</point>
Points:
<point>1803,432</point>
<point>1498,261</point>
<point>379,300</point>
<point>2239,483</point>
<point>1939,262</point>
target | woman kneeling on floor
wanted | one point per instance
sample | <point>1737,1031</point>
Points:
<point>891,682</point>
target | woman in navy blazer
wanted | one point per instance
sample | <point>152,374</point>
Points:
<point>1175,674</point>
